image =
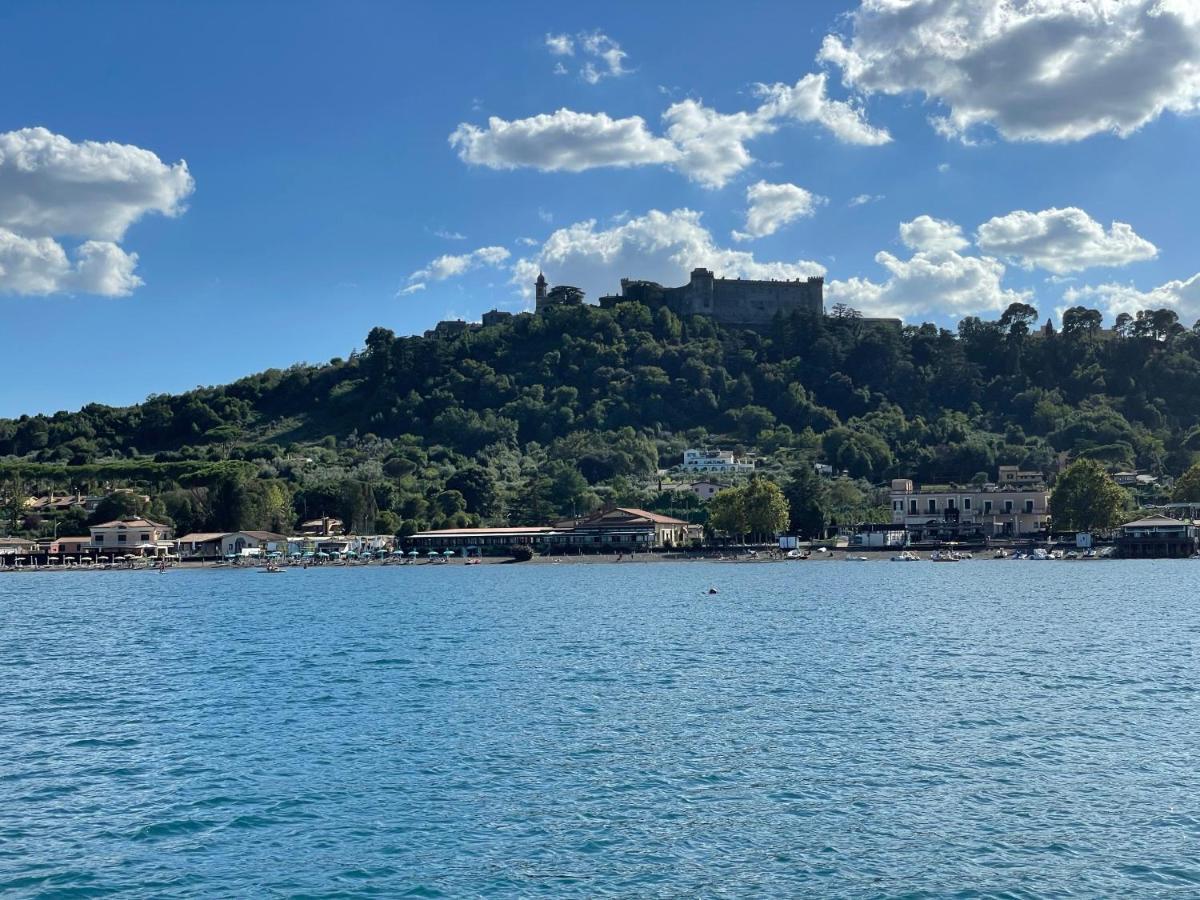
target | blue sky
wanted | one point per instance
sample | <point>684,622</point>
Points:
<point>285,175</point>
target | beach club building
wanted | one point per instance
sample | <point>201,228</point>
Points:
<point>615,529</point>
<point>1157,537</point>
<point>253,543</point>
<point>200,545</point>
<point>132,537</point>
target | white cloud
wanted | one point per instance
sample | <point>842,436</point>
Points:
<point>562,141</point>
<point>53,188</point>
<point>864,199</point>
<point>1062,240</point>
<point>771,206</point>
<point>452,265</point>
<point>928,233</point>
<point>609,54</point>
<point>711,144</point>
<point>707,146</point>
<point>936,281</point>
<point>606,58</point>
<point>560,45</point>
<point>447,235</point>
<point>411,289</point>
<point>944,167</point>
<point>50,185</point>
<point>658,246</point>
<point>1113,299</point>
<point>807,101</point>
<point>39,266</point>
<point>1042,70</point>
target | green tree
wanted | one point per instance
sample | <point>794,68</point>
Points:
<point>807,495</point>
<point>119,505</point>
<point>1085,498</point>
<point>727,512</point>
<point>1187,488</point>
<point>766,509</point>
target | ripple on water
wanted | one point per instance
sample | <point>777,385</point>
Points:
<point>994,730</point>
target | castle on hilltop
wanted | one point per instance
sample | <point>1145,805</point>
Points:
<point>731,301</point>
<point>744,302</point>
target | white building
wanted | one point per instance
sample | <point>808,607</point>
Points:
<point>253,543</point>
<point>139,537</point>
<point>717,462</point>
<point>954,511</point>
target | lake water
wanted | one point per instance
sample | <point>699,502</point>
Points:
<point>823,728</point>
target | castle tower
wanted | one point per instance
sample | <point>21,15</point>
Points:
<point>539,288</point>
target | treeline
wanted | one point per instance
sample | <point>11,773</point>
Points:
<point>550,415</point>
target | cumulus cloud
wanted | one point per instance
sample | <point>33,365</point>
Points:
<point>707,146</point>
<point>807,101</point>
<point>928,233</point>
<point>712,145</point>
<point>659,246</point>
<point>1062,240</point>
<point>40,266</point>
<point>562,141</point>
<point>53,188</point>
<point>771,206</point>
<point>1113,299</point>
<point>935,281</point>
<point>1040,70</point>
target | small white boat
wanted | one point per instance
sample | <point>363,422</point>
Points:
<point>906,556</point>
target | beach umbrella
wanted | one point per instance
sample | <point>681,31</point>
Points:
<point>413,553</point>
<point>447,553</point>
<point>432,553</point>
<point>323,555</point>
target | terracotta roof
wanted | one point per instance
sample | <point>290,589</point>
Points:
<point>261,535</point>
<point>202,537</point>
<point>652,516</point>
<point>464,532</point>
<point>130,523</point>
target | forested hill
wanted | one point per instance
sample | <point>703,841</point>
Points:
<point>583,394</point>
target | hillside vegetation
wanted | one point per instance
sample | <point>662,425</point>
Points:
<point>545,415</point>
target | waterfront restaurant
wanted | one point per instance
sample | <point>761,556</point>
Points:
<point>478,538</point>
<point>1157,537</point>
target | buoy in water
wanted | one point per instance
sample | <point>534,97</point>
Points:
<point>712,590</point>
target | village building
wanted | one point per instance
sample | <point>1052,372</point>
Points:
<point>136,537</point>
<point>479,538</point>
<point>68,546</point>
<point>253,543</point>
<point>1157,537</point>
<point>716,462</point>
<point>705,490</point>
<point>322,527</point>
<point>200,545</point>
<point>966,512</point>
<point>623,527</point>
